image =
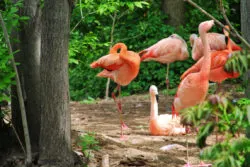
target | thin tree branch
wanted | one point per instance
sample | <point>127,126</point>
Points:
<point>125,39</point>
<point>14,129</point>
<point>20,96</point>
<point>219,23</point>
<point>210,16</point>
<point>81,8</point>
<point>113,29</point>
<point>123,14</point>
<point>231,26</point>
<point>111,17</point>
<point>111,43</point>
<point>81,20</point>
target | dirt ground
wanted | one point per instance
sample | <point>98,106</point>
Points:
<point>140,148</point>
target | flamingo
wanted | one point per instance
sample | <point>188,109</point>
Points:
<point>122,68</point>
<point>193,88</point>
<point>166,51</point>
<point>216,42</point>
<point>162,124</point>
<point>218,60</point>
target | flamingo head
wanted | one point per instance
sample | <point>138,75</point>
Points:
<point>226,33</point>
<point>154,92</point>
<point>205,26</point>
<point>146,55</point>
<point>176,36</point>
<point>192,38</point>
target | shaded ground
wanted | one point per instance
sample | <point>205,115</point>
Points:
<point>140,149</point>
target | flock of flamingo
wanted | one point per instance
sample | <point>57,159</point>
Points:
<point>210,50</point>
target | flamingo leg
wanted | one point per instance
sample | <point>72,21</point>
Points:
<point>167,78</point>
<point>218,88</point>
<point>167,84</point>
<point>119,108</point>
<point>173,112</point>
<point>187,164</point>
<point>216,118</point>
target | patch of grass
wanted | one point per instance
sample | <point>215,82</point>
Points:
<point>88,143</point>
<point>141,127</point>
<point>239,89</point>
<point>89,100</point>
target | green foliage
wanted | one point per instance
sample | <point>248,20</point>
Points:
<point>12,21</point>
<point>243,102</point>
<point>232,119</point>
<point>228,153</point>
<point>88,144</point>
<point>239,62</point>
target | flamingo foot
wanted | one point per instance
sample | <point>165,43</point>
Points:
<point>202,164</point>
<point>123,137</point>
<point>123,127</point>
<point>187,165</point>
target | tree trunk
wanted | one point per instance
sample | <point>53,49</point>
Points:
<point>55,141</point>
<point>29,71</point>
<point>175,9</point>
<point>245,23</point>
<point>30,50</point>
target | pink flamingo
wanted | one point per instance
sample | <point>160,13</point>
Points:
<point>162,124</point>
<point>216,42</point>
<point>122,68</point>
<point>218,60</point>
<point>166,51</point>
<point>193,88</point>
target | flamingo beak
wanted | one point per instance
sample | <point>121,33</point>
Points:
<point>157,98</point>
<point>144,55</point>
<point>143,58</point>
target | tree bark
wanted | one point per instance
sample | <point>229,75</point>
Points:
<point>245,23</point>
<point>29,70</point>
<point>30,50</point>
<point>55,141</point>
<point>175,9</point>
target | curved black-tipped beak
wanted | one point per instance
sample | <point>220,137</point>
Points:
<point>157,98</point>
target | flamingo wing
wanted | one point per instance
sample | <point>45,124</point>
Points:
<point>109,62</point>
<point>219,59</point>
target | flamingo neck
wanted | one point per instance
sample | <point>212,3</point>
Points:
<point>229,47</point>
<point>154,107</point>
<point>205,70</point>
<point>117,46</point>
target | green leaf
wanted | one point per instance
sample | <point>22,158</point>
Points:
<point>131,6</point>
<point>138,4</point>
